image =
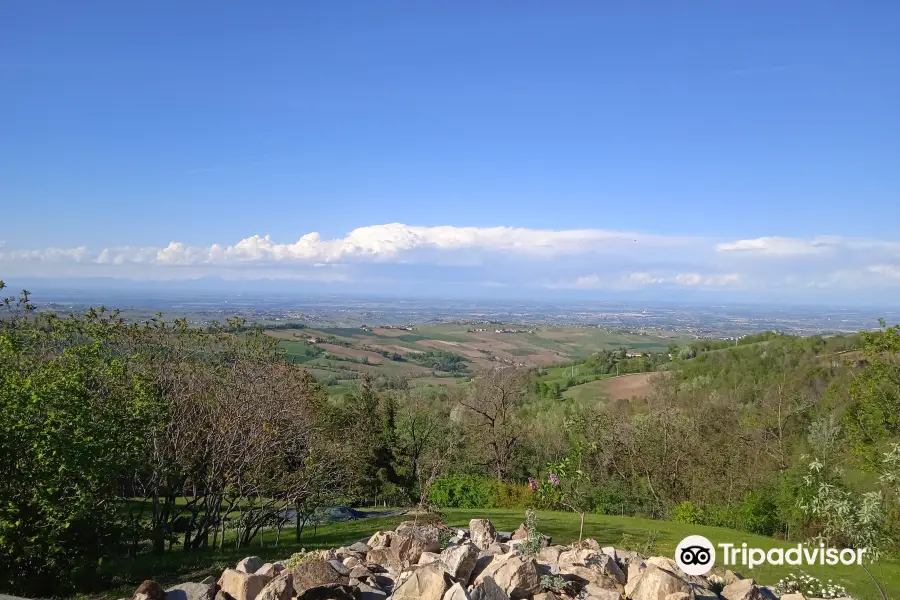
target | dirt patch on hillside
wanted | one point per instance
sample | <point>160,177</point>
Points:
<point>628,386</point>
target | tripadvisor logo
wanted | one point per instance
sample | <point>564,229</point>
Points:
<point>696,555</point>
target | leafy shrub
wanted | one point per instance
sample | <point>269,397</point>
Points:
<point>687,513</point>
<point>473,491</point>
<point>810,586</point>
<point>510,495</point>
<point>463,491</point>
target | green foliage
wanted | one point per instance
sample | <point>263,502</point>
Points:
<point>687,513</point>
<point>463,491</point>
<point>532,545</point>
<point>474,491</point>
<point>72,427</point>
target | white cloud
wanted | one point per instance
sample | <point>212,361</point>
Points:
<point>890,272</point>
<point>577,259</point>
<point>643,278</point>
<point>782,246</point>
<point>696,279</point>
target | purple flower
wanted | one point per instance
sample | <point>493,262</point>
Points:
<point>533,484</point>
<point>554,480</point>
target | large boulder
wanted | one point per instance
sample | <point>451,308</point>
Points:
<point>742,589</point>
<point>482,533</point>
<point>428,583</point>
<point>583,576</point>
<point>456,592</point>
<point>410,540</point>
<point>330,591</point>
<point>592,592</point>
<point>270,569</point>
<point>251,564</point>
<point>280,588</point>
<point>517,576</point>
<point>314,573</point>
<point>381,539</point>
<point>488,590</point>
<point>521,533</point>
<point>459,561</point>
<point>240,585</point>
<point>656,583</point>
<point>149,590</point>
<point>550,554</point>
<point>192,591</point>
<point>384,555</point>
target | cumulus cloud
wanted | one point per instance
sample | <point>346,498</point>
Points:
<point>781,246</point>
<point>510,257</point>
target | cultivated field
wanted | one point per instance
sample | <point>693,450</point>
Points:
<point>338,356</point>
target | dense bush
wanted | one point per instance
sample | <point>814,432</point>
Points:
<point>686,513</point>
<point>474,491</point>
<point>71,428</point>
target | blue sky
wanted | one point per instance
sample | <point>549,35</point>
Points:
<point>578,147</point>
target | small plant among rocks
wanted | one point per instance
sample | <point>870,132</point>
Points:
<point>554,583</point>
<point>645,546</point>
<point>533,544</point>
<point>300,557</point>
<point>811,586</point>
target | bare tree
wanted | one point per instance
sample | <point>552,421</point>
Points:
<point>493,401</point>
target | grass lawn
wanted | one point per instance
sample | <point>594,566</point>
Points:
<point>175,567</point>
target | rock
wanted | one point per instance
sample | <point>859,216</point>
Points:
<point>587,544</point>
<point>280,588</point>
<point>583,576</point>
<point>383,556</point>
<point>592,592</point>
<point>488,590</point>
<point>678,596</point>
<point>381,539</point>
<point>315,573</point>
<point>426,558</point>
<point>730,577</point>
<point>360,572</point>
<point>498,548</point>
<point>149,590</point>
<point>339,566</point>
<point>546,596</point>
<point>208,580</point>
<point>269,569</point>
<point>411,540</point>
<point>767,593</point>
<point>367,592</point>
<point>794,596</point>
<point>360,547</point>
<point>459,561</point>
<point>483,562</point>
<point>330,591</point>
<point>517,576</point>
<point>240,585</point>
<point>609,567</point>
<point>550,554</point>
<point>482,533</point>
<point>192,591</point>
<point>251,564</point>
<point>703,593</point>
<point>456,592</point>
<point>634,572</point>
<point>655,584</point>
<point>521,533</point>
<point>428,583</point>
<point>351,561</point>
<point>742,589</point>
<point>610,551</point>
